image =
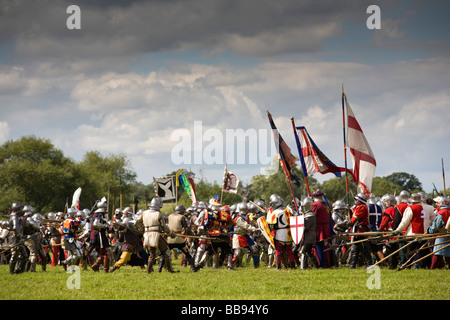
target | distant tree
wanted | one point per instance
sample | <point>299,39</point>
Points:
<point>381,186</point>
<point>334,189</point>
<point>406,181</point>
<point>34,172</point>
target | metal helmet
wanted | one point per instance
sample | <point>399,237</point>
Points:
<point>440,200</point>
<point>71,212</point>
<point>102,203</point>
<point>201,206</point>
<point>118,212</point>
<point>389,199</point>
<point>252,208</point>
<point>226,209</point>
<point>361,197</point>
<point>416,198</point>
<point>339,205</point>
<point>38,217</point>
<point>275,201</point>
<point>180,209</point>
<point>87,213</point>
<point>243,208</point>
<point>156,202</point>
<point>60,215</point>
<point>261,204</point>
<point>307,204</point>
<point>127,210</point>
<point>81,215</point>
<point>27,208</point>
<point>51,216</point>
<point>403,196</point>
<point>16,207</point>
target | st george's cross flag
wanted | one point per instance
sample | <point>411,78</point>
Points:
<point>313,160</point>
<point>364,163</point>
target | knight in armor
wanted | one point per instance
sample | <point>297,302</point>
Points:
<point>130,238</point>
<point>241,237</point>
<point>152,221</point>
<point>216,224</point>
<point>70,230</point>
<point>85,239</point>
<point>360,223</point>
<point>179,224</point>
<point>19,256</point>
<point>99,238</point>
<point>321,210</point>
<point>200,257</point>
<point>387,224</point>
<point>55,237</point>
<point>415,221</point>
<point>32,236</point>
<point>5,240</point>
<point>278,221</point>
<point>309,235</point>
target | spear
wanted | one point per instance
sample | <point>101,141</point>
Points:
<point>387,257</point>
<point>434,252</point>
<point>443,174</point>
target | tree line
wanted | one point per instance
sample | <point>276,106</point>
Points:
<point>33,171</point>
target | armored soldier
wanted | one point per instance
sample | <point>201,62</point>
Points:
<point>416,220</point>
<point>278,221</point>
<point>309,235</point>
<point>321,210</point>
<point>19,256</point>
<point>216,224</point>
<point>152,220</point>
<point>98,237</point>
<point>360,223</point>
<point>70,229</point>
<point>179,224</point>
<point>387,224</point>
<point>241,237</point>
<point>130,238</point>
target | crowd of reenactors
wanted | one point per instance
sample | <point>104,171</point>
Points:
<point>395,232</point>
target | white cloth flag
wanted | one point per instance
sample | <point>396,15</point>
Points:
<point>364,163</point>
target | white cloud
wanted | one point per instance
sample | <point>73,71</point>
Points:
<point>4,131</point>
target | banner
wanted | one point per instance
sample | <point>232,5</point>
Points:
<point>164,188</point>
<point>364,163</point>
<point>230,182</point>
<point>188,185</point>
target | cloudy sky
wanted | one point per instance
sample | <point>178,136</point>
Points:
<point>140,76</point>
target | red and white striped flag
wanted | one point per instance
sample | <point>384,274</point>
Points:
<point>364,163</point>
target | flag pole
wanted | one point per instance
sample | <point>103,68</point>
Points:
<point>345,146</point>
<point>300,155</point>
<point>277,144</point>
<point>443,175</point>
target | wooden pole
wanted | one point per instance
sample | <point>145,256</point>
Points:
<point>345,149</point>
<point>414,262</point>
<point>387,257</point>
<point>300,155</point>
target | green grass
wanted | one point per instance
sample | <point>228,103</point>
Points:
<point>247,283</point>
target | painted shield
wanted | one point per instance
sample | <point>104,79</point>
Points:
<point>297,224</point>
<point>265,231</point>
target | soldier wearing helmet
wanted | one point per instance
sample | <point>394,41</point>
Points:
<point>154,224</point>
<point>415,221</point>
<point>69,229</point>
<point>217,223</point>
<point>278,221</point>
<point>339,215</point>
<point>387,224</point>
<point>323,233</point>
<point>309,235</point>
<point>179,223</point>
<point>131,238</point>
<point>241,237</point>
<point>98,237</point>
<point>19,255</point>
<point>360,223</point>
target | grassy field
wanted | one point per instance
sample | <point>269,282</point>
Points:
<point>247,283</point>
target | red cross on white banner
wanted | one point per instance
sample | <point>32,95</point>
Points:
<point>297,224</point>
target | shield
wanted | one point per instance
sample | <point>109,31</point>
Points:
<point>297,224</point>
<point>265,231</point>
